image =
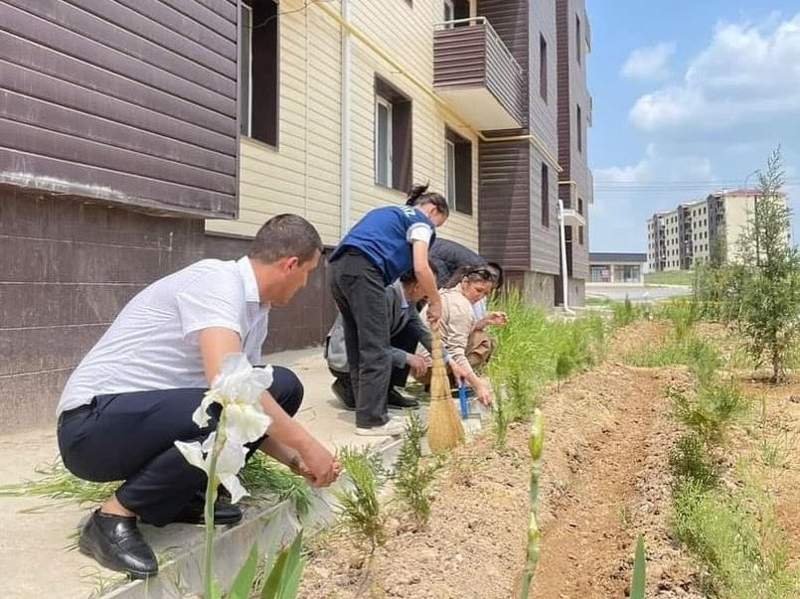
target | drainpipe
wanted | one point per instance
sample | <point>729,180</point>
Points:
<point>564,273</point>
<point>346,200</point>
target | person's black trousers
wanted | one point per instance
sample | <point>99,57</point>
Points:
<point>359,291</point>
<point>130,437</point>
<point>405,339</point>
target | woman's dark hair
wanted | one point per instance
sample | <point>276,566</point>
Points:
<point>473,273</point>
<point>419,196</point>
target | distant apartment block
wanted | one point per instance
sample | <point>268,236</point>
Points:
<point>681,238</point>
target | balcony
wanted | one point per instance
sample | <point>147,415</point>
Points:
<point>475,72</point>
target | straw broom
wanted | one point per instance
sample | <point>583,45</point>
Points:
<point>444,426</point>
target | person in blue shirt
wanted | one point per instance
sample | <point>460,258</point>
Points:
<point>383,245</point>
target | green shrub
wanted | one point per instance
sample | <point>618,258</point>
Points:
<point>711,411</point>
<point>412,475</point>
<point>359,506</point>
<point>689,462</point>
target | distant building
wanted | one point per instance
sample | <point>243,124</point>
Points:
<point>617,267</point>
<point>681,238</point>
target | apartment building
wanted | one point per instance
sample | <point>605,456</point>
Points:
<point>140,137</point>
<point>575,186</point>
<point>693,232</point>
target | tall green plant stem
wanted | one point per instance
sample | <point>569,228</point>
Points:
<point>535,445</point>
<point>211,498</point>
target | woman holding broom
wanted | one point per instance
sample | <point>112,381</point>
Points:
<point>384,244</point>
<point>463,333</point>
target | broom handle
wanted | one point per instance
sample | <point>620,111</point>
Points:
<point>436,349</point>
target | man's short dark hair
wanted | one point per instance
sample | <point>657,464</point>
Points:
<point>411,277</point>
<point>284,236</point>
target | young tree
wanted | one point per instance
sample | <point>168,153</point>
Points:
<point>765,290</point>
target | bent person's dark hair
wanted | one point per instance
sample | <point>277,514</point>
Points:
<point>419,196</point>
<point>410,276</point>
<point>284,236</point>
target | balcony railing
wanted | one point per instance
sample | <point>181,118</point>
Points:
<point>475,71</point>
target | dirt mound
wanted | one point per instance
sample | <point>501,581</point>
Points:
<point>604,479</point>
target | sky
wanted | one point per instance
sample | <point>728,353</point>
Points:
<point>689,97</point>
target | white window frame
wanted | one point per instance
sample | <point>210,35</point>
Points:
<point>249,131</point>
<point>381,101</point>
<point>448,5</point>
<point>450,186</point>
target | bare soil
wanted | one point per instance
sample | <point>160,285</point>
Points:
<point>605,480</point>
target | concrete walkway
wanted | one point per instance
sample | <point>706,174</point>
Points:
<point>36,534</point>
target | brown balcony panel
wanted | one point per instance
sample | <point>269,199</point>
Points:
<point>476,73</point>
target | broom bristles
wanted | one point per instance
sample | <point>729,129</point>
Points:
<point>445,430</point>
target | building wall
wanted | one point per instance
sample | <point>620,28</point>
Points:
<point>105,101</point>
<point>573,91</point>
<point>544,242</point>
<point>303,174</point>
<point>738,210</point>
<point>70,266</point>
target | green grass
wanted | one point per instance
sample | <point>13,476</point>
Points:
<point>533,349</point>
<point>738,540</point>
<point>262,476</point>
<point>673,277</point>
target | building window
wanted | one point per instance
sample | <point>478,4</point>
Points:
<point>383,141</point>
<point>579,126</point>
<point>580,235</point>
<point>580,206</point>
<point>542,68</point>
<point>578,38</point>
<point>545,194</point>
<point>259,68</point>
<point>392,137</point>
<point>458,172</point>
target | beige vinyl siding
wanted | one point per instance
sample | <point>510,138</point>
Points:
<point>406,34</point>
<point>303,175</point>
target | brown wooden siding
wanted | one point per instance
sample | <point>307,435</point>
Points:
<point>130,102</point>
<point>509,19</point>
<point>572,93</point>
<point>475,56</point>
<point>505,203</point>
<point>69,267</point>
<point>564,99</point>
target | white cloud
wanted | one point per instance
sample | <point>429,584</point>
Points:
<point>656,165</point>
<point>746,83</point>
<point>650,63</point>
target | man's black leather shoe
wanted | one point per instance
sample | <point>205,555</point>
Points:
<point>117,543</point>
<point>224,512</point>
<point>398,400</point>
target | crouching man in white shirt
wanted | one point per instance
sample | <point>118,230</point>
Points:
<point>134,393</point>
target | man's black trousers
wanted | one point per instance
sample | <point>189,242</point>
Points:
<point>130,437</point>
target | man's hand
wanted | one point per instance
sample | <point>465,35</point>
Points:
<point>418,365</point>
<point>298,466</point>
<point>320,467</point>
<point>459,373</point>
<point>434,313</point>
